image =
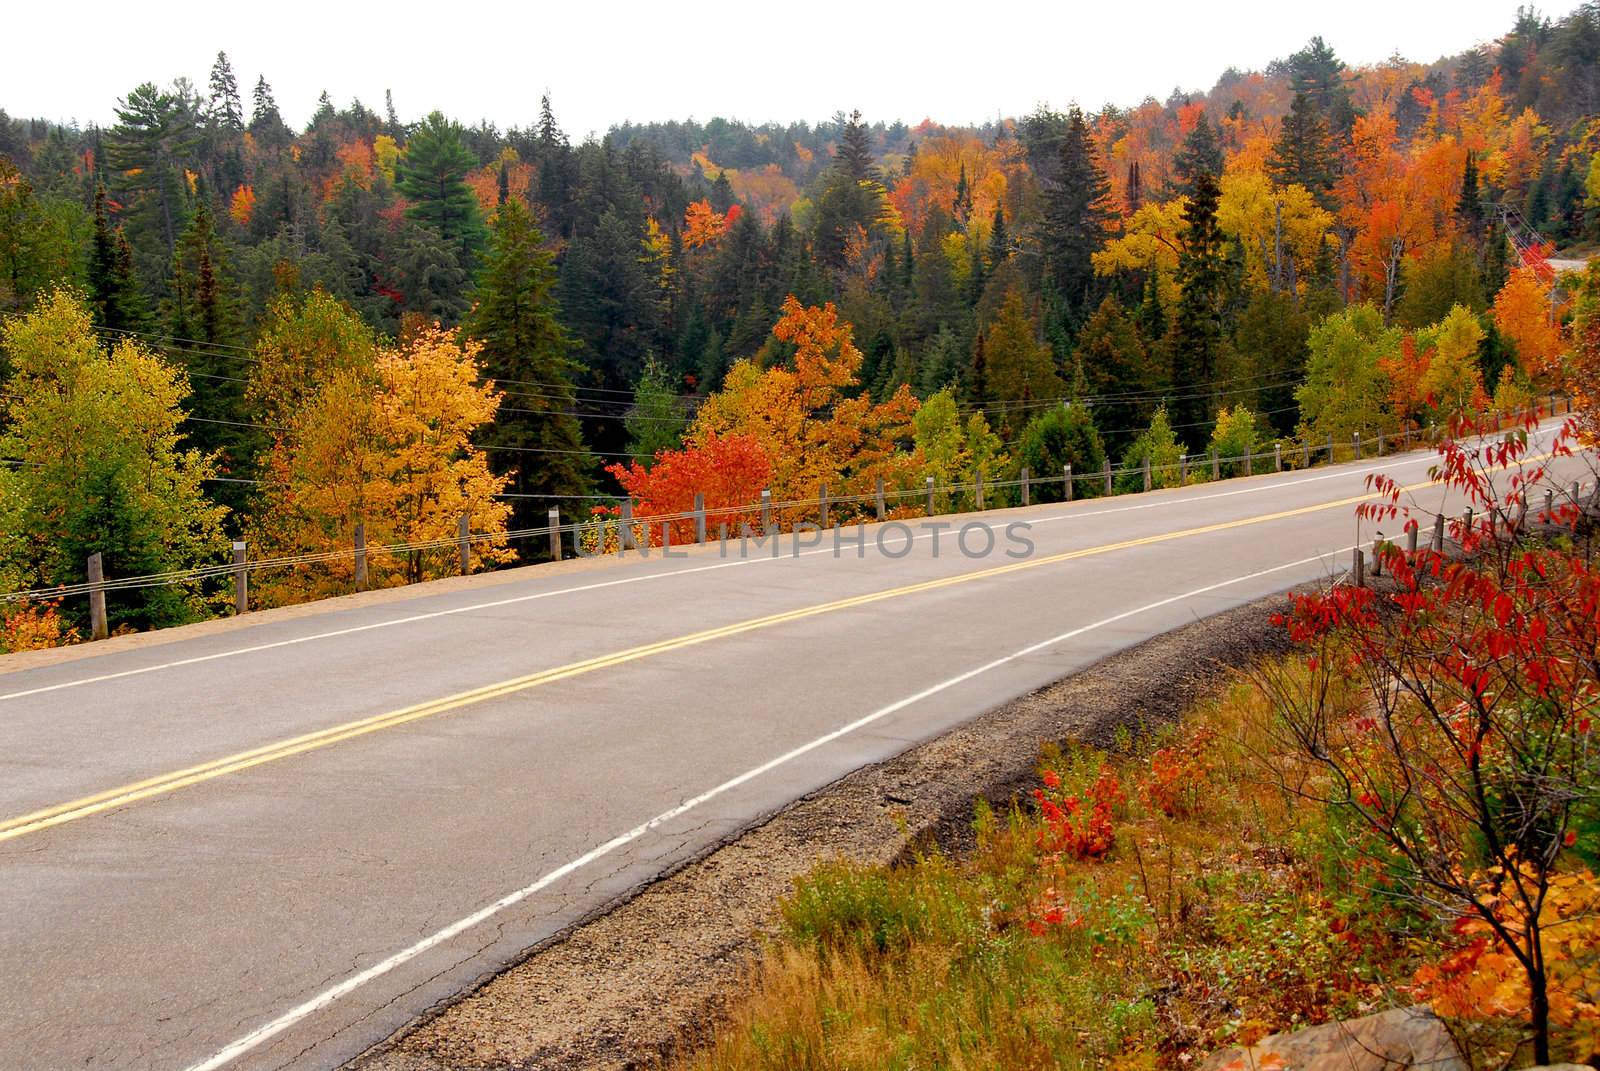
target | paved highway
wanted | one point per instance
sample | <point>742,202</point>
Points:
<point>271,845</point>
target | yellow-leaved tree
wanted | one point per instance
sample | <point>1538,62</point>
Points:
<point>389,446</point>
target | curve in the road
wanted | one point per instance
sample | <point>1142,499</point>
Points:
<point>162,784</point>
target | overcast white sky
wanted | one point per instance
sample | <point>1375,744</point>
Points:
<point>605,62</point>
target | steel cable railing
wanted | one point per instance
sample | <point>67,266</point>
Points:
<point>1189,469</point>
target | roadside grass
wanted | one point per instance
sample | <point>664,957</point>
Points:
<point>1151,903</point>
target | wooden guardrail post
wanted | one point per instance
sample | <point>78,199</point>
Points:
<point>1377,555</point>
<point>1358,572</point>
<point>241,579</point>
<point>1146,472</point>
<point>1066,482</point>
<point>1438,533</point>
<point>1025,501</point>
<point>625,535</point>
<point>1108,477</point>
<point>1216,463</point>
<point>555,534</point>
<point>1380,442</point>
<point>928,486</point>
<point>766,510</point>
<point>822,507</point>
<point>99,628</point>
<point>1183,470</point>
<point>1277,457</point>
<point>978,487</point>
<point>699,518</point>
<point>883,508</point>
<point>1355,443</point>
<point>361,555</point>
<point>1549,503</point>
<point>1411,538</point>
<point>464,542</point>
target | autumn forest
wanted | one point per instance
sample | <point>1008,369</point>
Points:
<point>221,327</point>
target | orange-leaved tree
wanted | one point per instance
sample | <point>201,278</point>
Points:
<point>805,417</point>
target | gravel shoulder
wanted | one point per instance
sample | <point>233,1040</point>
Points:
<point>653,971</point>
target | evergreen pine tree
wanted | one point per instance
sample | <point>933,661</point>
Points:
<point>225,109</point>
<point>1302,154</point>
<point>1076,215</point>
<point>721,197</point>
<point>999,239</point>
<point>1469,205</point>
<point>114,296</point>
<point>525,351</point>
<point>1197,334</point>
<point>433,177</point>
<point>854,154</point>
<point>1200,152</point>
<point>962,206</point>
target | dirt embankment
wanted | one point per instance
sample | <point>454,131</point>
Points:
<point>625,989</point>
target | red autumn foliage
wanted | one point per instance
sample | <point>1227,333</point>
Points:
<point>1080,827</point>
<point>729,470</point>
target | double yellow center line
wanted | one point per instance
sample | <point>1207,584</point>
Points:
<point>193,775</point>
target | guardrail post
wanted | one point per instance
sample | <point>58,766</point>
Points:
<point>98,627</point>
<point>1305,453</point>
<point>555,534</point>
<point>1377,556</point>
<point>1438,533</point>
<point>766,510</point>
<point>883,509</point>
<point>241,579</point>
<point>1216,463</point>
<point>1066,483</point>
<point>1411,538</point>
<point>1330,447</point>
<point>1108,477</point>
<point>822,507</point>
<point>361,555</point>
<point>1355,443</point>
<point>1183,470</point>
<point>978,486</point>
<point>1466,523</point>
<point>1380,442</point>
<point>1575,501</point>
<point>625,537</point>
<point>1549,505</point>
<point>1025,501</point>
<point>1277,457</point>
<point>1405,443</point>
<point>1147,472</point>
<point>464,542</point>
<point>699,517</point>
<point>1358,572</point>
<point>928,486</point>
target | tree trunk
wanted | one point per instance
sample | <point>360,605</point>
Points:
<point>1539,1016</point>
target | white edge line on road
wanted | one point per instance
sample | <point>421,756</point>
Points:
<point>414,618</point>
<point>271,1029</point>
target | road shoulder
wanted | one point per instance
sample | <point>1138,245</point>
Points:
<point>652,971</point>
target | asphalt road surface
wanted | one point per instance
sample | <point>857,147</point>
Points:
<point>272,845</point>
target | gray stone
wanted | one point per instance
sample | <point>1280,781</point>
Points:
<point>1388,1041</point>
